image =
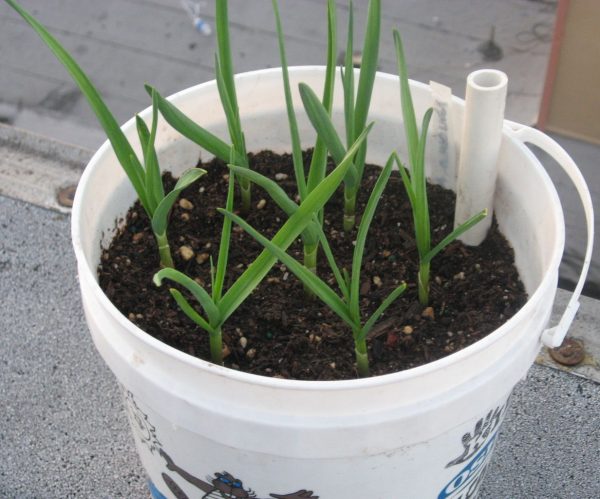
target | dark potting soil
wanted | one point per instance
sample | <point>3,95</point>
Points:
<point>279,331</point>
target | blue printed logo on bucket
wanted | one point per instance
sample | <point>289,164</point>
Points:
<point>466,483</point>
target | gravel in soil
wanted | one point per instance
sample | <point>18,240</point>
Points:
<point>279,331</point>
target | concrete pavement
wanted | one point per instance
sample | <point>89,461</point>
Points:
<point>123,44</point>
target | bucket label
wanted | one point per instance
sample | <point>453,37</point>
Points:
<point>477,450</point>
<point>221,485</point>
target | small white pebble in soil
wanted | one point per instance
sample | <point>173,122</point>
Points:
<point>311,337</point>
<point>208,245</point>
<point>377,281</point>
<point>131,316</point>
<point>251,353</point>
<point>202,258</point>
<point>261,204</point>
<point>407,330</point>
<point>460,276</point>
<point>243,342</point>
<point>239,266</point>
<point>226,176</point>
<point>285,276</point>
<point>186,204</point>
<point>186,252</point>
<point>281,176</point>
<point>438,280</point>
<point>450,334</point>
<point>185,217</point>
<point>139,316</point>
<point>318,339</point>
<point>273,280</point>
<point>478,267</point>
<point>202,189</point>
<point>332,365</point>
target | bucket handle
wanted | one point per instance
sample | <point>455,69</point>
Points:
<point>554,336</point>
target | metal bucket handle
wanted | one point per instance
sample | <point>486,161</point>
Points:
<point>554,336</point>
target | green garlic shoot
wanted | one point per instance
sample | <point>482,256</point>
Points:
<point>218,307</point>
<point>318,163</point>
<point>415,182</point>
<point>345,306</point>
<point>146,179</point>
<point>356,108</point>
<point>227,93</point>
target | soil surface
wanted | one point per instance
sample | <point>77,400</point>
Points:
<point>279,331</point>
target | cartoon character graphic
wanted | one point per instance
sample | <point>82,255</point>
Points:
<point>477,450</point>
<point>222,486</point>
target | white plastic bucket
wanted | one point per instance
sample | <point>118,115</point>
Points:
<point>424,432</point>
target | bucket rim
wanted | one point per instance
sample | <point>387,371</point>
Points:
<point>86,273</point>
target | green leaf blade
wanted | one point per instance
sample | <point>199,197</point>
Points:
<point>121,146</point>
<point>391,298</point>
<point>188,310</point>
<point>286,235</point>
<point>159,220</point>
<point>154,185</point>
<point>224,50</point>
<point>368,69</point>
<point>292,121</point>
<point>219,278</point>
<point>408,111</point>
<point>273,189</point>
<point>455,234</point>
<point>318,116</point>
<point>190,129</point>
<point>195,289</point>
<point>361,237</point>
<point>348,78</point>
<point>309,279</point>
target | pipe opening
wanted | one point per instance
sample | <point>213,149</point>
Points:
<point>488,79</point>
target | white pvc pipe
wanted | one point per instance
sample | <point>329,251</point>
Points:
<point>480,145</point>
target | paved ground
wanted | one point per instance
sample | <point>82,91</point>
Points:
<point>123,44</point>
